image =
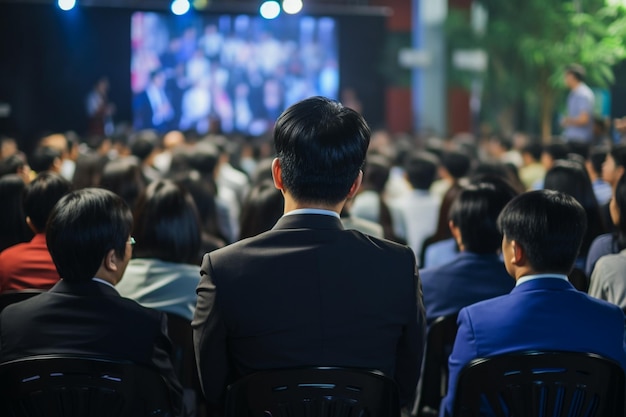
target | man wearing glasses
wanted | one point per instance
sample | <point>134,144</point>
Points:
<point>88,236</point>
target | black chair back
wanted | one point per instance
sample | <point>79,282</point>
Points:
<point>184,363</point>
<point>314,392</point>
<point>71,386</point>
<point>541,384</point>
<point>10,297</point>
<point>434,380</point>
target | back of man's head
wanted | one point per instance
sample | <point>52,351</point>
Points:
<point>376,172</point>
<point>45,158</point>
<point>83,227</point>
<point>475,212</point>
<point>41,195</point>
<point>596,158</point>
<point>556,150</point>
<point>548,225</point>
<point>533,149</point>
<point>143,143</point>
<point>618,153</point>
<point>457,163</point>
<point>321,147</point>
<point>13,164</point>
<point>421,169</point>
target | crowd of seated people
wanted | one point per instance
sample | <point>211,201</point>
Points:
<point>190,195</point>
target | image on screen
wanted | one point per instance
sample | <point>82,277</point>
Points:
<point>236,72</point>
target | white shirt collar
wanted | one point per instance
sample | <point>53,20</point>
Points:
<point>312,211</point>
<point>101,281</point>
<point>539,276</point>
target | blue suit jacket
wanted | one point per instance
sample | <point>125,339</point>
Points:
<point>467,279</point>
<point>542,314</point>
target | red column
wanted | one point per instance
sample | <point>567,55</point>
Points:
<point>398,105</point>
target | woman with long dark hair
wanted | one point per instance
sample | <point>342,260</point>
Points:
<point>614,242</point>
<point>608,277</point>
<point>163,273</point>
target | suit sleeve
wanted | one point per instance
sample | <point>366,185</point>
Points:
<point>463,352</point>
<point>161,357</point>
<point>209,337</point>
<point>411,345</point>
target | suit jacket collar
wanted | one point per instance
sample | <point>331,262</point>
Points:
<point>308,221</point>
<point>550,284</point>
<point>86,288</point>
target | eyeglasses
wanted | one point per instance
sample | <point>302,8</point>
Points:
<point>132,241</point>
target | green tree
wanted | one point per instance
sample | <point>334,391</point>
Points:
<point>529,43</point>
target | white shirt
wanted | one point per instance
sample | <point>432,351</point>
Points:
<point>312,211</point>
<point>539,276</point>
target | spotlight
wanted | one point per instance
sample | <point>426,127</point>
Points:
<point>292,6</point>
<point>270,10</point>
<point>66,4</point>
<point>180,7</point>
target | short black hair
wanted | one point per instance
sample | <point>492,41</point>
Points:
<point>534,149</point>
<point>204,158</point>
<point>549,225</point>
<point>457,163</point>
<point>556,150</point>
<point>143,143</point>
<point>475,212</point>
<point>321,147</point>
<point>597,156</point>
<point>12,164</point>
<point>421,169</point>
<point>580,148</point>
<point>83,227</point>
<point>577,70</point>
<point>618,153</point>
<point>376,172</point>
<point>41,195</point>
<point>167,225</point>
<point>43,158</point>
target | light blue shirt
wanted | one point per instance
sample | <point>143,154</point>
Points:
<point>580,100</point>
<point>101,281</point>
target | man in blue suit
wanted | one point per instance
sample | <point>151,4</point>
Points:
<point>542,233</point>
<point>477,273</point>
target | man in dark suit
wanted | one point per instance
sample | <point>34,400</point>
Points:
<point>152,107</point>
<point>477,273</point>
<point>543,231</point>
<point>309,292</point>
<point>88,235</point>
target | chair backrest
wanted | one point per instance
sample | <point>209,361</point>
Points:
<point>10,297</point>
<point>184,363</point>
<point>183,358</point>
<point>68,386</point>
<point>315,392</point>
<point>434,381</point>
<point>541,384</point>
